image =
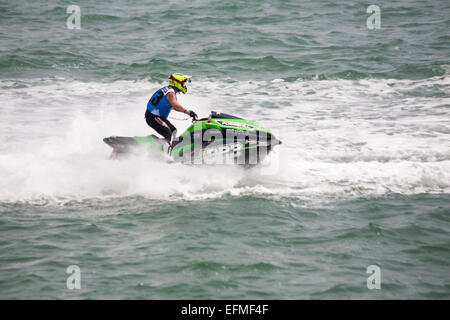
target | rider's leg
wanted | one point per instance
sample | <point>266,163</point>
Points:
<point>172,129</point>
<point>173,135</point>
<point>163,127</point>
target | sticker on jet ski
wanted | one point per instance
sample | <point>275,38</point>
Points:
<point>234,124</point>
<point>232,147</point>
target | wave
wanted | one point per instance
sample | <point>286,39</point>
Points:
<point>342,138</point>
<point>234,64</point>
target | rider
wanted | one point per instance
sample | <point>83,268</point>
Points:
<point>162,102</point>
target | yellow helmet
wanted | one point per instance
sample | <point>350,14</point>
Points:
<point>179,81</point>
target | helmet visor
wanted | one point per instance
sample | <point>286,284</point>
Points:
<point>184,82</point>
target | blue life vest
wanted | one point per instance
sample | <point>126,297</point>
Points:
<point>158,104</point>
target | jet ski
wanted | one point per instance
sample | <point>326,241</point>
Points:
<point>218,139</point>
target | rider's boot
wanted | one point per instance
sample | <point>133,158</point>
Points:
<point>167,148</point>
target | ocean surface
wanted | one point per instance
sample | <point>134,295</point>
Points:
<point>362,177</point>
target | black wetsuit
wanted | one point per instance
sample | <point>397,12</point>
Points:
<point>162,126</point>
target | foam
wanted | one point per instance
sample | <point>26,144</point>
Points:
<point>341,138</point>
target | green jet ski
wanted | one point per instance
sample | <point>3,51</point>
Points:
<point>218,139</point>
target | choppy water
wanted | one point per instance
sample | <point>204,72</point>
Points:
<point>362,178</point>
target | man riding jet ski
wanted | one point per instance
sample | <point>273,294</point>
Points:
<point>162,102</point>
<point>210,140</point>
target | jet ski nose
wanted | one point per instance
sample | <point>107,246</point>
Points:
<point>274,141</point>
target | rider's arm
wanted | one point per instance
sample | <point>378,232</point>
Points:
<point>175,104</point>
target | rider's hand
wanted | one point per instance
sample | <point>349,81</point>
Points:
<point>193,115</point>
